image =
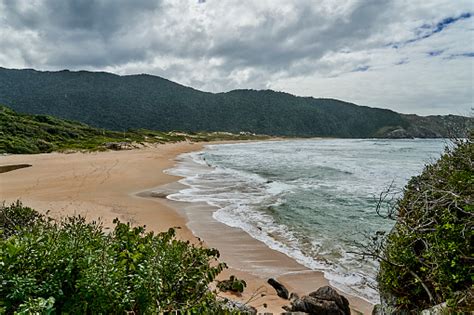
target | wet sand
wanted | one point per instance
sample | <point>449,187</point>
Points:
<point>120,184</point>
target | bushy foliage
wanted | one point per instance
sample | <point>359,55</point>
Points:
<point>17,217</point>
<point>428,257</point>
<point>232,284</point>
<point>74,267</point>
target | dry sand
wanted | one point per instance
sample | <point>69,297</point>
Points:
<point>117,184</point>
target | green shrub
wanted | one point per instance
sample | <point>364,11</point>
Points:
<point>428,259</point>
<point>16,217</point>
<point>37,306</point>
<point>74,267</point>
<point>233,284</point>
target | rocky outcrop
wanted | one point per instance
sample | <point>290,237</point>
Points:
<point>409,133</point>
<point>399,133</point>
<point>324,301</point>
<point>448,126</point>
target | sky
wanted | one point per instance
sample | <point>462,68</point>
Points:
<point>405,55</point>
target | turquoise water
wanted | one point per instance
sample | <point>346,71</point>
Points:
<point>311,199</point>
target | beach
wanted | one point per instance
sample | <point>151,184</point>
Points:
<point>124,184</point>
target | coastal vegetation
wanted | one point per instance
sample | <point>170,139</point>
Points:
<point>427,259</point>
<point>232,284</point>
<point>23,133</point>
<point>76,267</point>
<point>105,100</point>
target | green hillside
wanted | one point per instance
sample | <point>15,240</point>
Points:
<point>106,100</point>
<point>23,133</point>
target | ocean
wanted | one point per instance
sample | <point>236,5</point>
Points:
<point>313,200</point>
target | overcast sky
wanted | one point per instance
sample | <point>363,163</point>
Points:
<point>411,56</point>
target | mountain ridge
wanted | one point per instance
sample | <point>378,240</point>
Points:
<point>121,102</point>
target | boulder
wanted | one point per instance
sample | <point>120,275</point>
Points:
<point>329,294</point>
<point>315,306</point>
<point>279,288</point>
<point>324,301</point>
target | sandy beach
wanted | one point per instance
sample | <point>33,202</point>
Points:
<point>120,184</point>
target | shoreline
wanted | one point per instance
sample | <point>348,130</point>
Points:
<point>243,252</point>
<point>106,185</point>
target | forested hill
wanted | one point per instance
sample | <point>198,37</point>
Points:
<point>143,101</point>
<point>25,133</point>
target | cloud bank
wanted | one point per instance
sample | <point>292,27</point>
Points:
<point>409,56</point>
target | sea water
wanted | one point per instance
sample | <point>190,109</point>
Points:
<point>314,200</point>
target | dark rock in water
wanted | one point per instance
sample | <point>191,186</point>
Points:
<point>279,288</point>
<point>324,301</point>
<point>329,294</point>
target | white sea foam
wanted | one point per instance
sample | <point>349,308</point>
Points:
<point>307,199</point>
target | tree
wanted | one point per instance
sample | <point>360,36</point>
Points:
<point>427,258</point>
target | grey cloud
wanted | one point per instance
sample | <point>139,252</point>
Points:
<point>94,34</point>
<point>312,35</point>
<point>101,16</point>
<point>83,33</point>
<point>196,43</point>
